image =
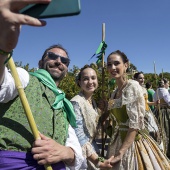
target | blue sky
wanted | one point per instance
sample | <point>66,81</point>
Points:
<point>139,28</point>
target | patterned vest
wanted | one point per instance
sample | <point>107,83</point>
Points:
<point>15,133</point>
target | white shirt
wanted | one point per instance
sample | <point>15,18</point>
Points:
<point>8,92</point>
<point>162,94</point>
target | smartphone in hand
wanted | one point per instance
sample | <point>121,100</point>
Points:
<point>56,8</point>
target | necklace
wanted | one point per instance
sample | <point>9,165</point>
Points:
<point>120,90</point>
<point>89,100</point>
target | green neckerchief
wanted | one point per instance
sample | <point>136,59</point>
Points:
<point>60,100</point>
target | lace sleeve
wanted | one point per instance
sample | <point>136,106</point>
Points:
<point>135,105</point>
<point>135,112</point>
<point>88,150</point>
<point>79,130</point>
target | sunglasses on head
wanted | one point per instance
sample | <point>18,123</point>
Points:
<point>53,56</point>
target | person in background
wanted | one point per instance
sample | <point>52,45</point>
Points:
<point>151,92</point>
<point>58,145</point>
<point>166,84</point>
<point>162,112</point>
<point>87,117</point>
<point>131,147</point>
<point>151,124</point>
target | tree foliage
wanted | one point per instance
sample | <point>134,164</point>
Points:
<point>26,67</point>
<point>151,77</point>
<point>69,86</point>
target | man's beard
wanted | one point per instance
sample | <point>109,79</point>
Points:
<point>57,77</point>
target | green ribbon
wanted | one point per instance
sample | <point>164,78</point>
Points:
<point>60,100</point>
<point>100,51</point>
<point>112,82</point>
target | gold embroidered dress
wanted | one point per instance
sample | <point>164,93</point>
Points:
<point>128,112</point>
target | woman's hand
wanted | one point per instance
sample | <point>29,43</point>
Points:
<point>106,164</point>
<point>116,158</point>
<point>129,139</point>
<point>157,102</point>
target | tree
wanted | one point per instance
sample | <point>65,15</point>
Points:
<point>165,75</point>
<point>26,67</point>
<point>69,86</point>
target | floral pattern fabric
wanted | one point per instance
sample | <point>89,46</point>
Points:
<point>15,132</point>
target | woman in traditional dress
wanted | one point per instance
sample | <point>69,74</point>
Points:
<point>151,123</point>
<point>87,116</point>
<point>131,146</point>
<point>162,112</point>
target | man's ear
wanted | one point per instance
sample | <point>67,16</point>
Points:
<point>40,64</point>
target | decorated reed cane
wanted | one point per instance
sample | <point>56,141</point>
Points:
<point>159,110</point>
<point>100,61</point>
<point>25,103</point>
<point>103,39</point>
